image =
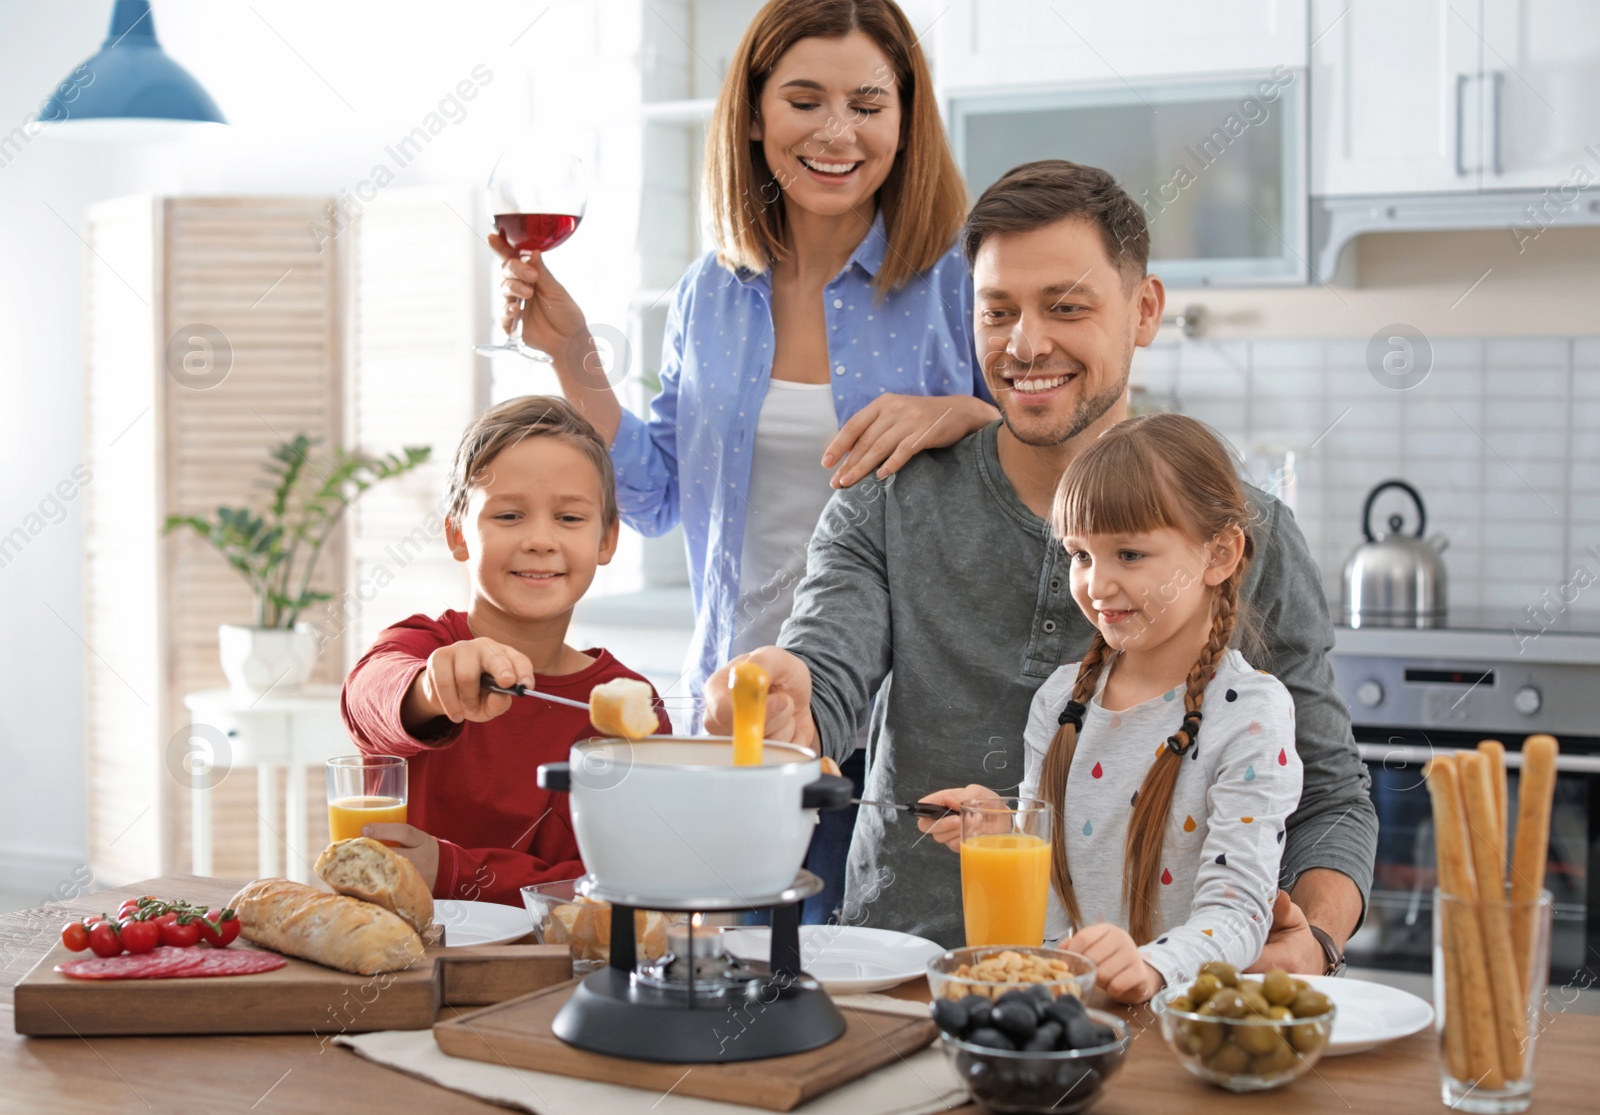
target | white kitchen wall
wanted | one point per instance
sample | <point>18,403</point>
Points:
<point>1499,438</point>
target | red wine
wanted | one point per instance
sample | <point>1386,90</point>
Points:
<point>535,232</point>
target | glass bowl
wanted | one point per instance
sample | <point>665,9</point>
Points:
<point>561,916</point>
<point>1022,1083</point>
<point>946,979</point>
<point>1249,1054</point>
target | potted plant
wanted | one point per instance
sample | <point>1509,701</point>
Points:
<point>276,551</point>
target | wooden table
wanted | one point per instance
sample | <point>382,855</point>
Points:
<point>282,1073</point>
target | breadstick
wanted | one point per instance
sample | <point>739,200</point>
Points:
<point>1455,1033</point>
<point>1536,791</point>
<point>1495,751</point>
<point>1494,916</point>
<point>1474,1011</point>
<point>1455,1030</point>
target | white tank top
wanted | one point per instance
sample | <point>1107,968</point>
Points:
<point>788,490</point>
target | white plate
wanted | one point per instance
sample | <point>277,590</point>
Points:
<point>845,959</point>
<point>480,923</point>
<point>1370,1013</point>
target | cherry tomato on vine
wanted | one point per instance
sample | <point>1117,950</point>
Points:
<point>75,935</point>
<point>103,939</point>
<point>140,936</point>
<point>215,931</point>
<point>179,935</point>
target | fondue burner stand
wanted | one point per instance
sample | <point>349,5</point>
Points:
<point>703,1007</point>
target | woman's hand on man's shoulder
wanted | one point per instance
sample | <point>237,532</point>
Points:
<point>890,430</point>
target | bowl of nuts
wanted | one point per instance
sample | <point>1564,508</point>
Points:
<point>993,970</point>
<point>1246,1035</point>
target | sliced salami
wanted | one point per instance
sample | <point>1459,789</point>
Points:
<point>167,962</point>
<point>149,965</point>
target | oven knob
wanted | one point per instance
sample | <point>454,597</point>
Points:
<point>1370,694</point>
<point>1527,700</point>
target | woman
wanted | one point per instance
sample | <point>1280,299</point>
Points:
<point>833,321</point>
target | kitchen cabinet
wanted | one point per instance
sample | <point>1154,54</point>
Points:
<point>1541,82</point>
<point>1217,163</point>
<point>1386,83</point>
<point>1454,96</point>
<point>988,45</point>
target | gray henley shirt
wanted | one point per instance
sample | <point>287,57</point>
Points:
<point>941,592</point>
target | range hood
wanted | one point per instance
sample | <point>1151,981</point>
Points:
<point>1522,214</point>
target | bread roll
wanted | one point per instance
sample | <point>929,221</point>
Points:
<point>373,872</point>
<point>332,929</point>
<point>623,707</point>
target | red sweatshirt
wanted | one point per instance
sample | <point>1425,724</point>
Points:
<point>476,787</point>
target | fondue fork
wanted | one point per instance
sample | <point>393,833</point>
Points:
<point>915,808</point>
<point>520,690</point>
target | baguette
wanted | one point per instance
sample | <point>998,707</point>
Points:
<point>331,929</point>
<point>373,872</point>
<point>1474,1011</point>
<point>622,707</point>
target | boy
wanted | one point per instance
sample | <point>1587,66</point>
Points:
<point>532,511</point>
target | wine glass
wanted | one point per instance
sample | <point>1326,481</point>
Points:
<point>537,196</point>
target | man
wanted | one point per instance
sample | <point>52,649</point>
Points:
<point>943,592</point>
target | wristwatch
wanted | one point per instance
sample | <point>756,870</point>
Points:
<point>1330,951</point>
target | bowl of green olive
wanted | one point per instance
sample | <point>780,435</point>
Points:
<point>1245,1035</point>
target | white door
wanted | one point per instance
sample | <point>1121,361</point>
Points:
<point>1396,92</point>
<point>1541,62</point>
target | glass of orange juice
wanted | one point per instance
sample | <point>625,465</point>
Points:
<point>364,790</point>
<point>1005,870</point>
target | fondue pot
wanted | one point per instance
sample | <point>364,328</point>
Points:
<point>671,818</point>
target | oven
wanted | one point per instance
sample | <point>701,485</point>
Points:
<point>1414,694</point>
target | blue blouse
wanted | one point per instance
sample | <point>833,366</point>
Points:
<point>690,462</point>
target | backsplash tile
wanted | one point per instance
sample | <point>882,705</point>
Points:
<point>1502,439</point>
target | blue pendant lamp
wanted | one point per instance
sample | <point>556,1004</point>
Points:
<point>130,90</point>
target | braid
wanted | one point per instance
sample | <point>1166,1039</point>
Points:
<point>1058,762</point>
<point>1147,828</point>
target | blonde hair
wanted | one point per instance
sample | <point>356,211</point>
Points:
<point>500,427</point>
<point>923,200</point>
<point>1150,472</point>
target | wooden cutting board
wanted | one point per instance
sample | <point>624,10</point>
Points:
<point>299,998</point>
<point>518,1033</point>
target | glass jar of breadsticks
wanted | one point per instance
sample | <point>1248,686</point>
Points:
<point>1491,922</point>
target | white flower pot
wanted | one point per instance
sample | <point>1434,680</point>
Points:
<point>258,660</point>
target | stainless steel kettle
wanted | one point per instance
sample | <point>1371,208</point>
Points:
<point>1397,580</point>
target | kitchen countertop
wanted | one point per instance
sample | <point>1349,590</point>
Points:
<point>294,1073</point>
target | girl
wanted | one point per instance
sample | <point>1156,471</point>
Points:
<point>830,328</point>
<point>1165,838</point>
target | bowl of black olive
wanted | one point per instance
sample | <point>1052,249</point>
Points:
<point>1031,1050</point>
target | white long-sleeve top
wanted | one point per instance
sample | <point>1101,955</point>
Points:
<point>1225,830</point>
